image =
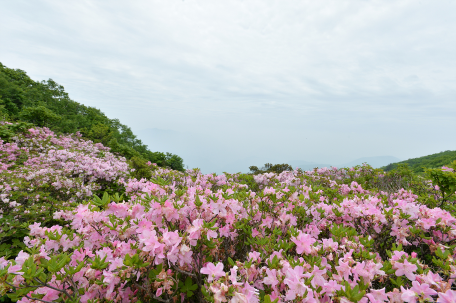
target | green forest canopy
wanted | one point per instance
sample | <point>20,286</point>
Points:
<point>417,165</point>
<point>47,104</point>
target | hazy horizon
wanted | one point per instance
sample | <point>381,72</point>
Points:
<point>224,83</point>
<point>181,143</point>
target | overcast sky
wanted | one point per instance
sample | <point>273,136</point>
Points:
<point>228,84</point>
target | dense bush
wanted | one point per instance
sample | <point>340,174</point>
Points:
<point>270,168</point>
<point>328,235</point>
<point>41,173</point>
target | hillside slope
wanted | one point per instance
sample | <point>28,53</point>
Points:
<point>46,104</point>
<point>417,165</point>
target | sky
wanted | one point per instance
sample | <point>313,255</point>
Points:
<point>229,84</point>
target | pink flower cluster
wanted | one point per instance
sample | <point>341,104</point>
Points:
<point>188,237</point>
<point>40,166</point>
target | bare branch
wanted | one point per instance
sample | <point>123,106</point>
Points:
<point>52,287</point>
<point>39,299</point>
<point>96,230</point>
<point>183,271</point>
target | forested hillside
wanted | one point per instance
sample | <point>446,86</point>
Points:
<point>417,165</point>
<point>47,104</point>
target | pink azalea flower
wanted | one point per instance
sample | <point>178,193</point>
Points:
<point>21,257</point>
<point>3,262</point>
<point>171,238</point>
<point>418,290</point>
<point>318,279</point>
<point>238,298</point>
<point>159,291</point>
<point>330,287</point>
<point>431,278</point>
<point>448,297</point>
<point>397,255</point>
<point>255,232</point>
<point>423,290</point>
<point>219,292</point>
<point>254,255</point>
<point>377,295</point>
<point>271,278</point>
<point>294,282</point>
<point>49,293</point>
<point>112,281</point>
<point>329,243</point>
<point>214,271</point>
<point>233,276</point>
<point>395,296</point>
<point>406,269</point>
<point>408,295</point>
<point>303,243</point>
<point>15,269</point>
<point>251,293</point>
<point>185,255</point>
<point>344,269</point>
<point>211,234</point>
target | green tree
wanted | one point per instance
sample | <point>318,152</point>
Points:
<point>445,180</point>
<point>270,168</point>
<point>100,133</point>
<point>39,115</point>
<point>141,169</point>
<point>174,161</point>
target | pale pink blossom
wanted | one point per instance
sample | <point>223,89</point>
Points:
<point>214,271</point>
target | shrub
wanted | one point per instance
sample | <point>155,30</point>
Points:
<point>315,236</point>
<point>270,168</point>
<point>41,173</point>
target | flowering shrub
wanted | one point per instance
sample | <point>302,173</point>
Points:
<point>316,236</point>
<point>41,172</point>
<point>445,182</point>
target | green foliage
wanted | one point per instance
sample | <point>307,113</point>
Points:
<point>3,112</point>
<point>47,104</point>
<point>418,165</point>
<point>353,295</point>
<point>39,115</point>
<point>249,180</point>
<point>101,202</point>
<point>7,131</point>
<point>400,177</point>
<point>11,96</point>
<point>100,133</point>
<point>174,161</point>
<point>445,180</point>
<point>267,299</point>
<point>270,168</point>
<point>188,287</point>
<point>141,168</point>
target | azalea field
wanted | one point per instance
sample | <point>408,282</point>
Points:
<point>76,226</point>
